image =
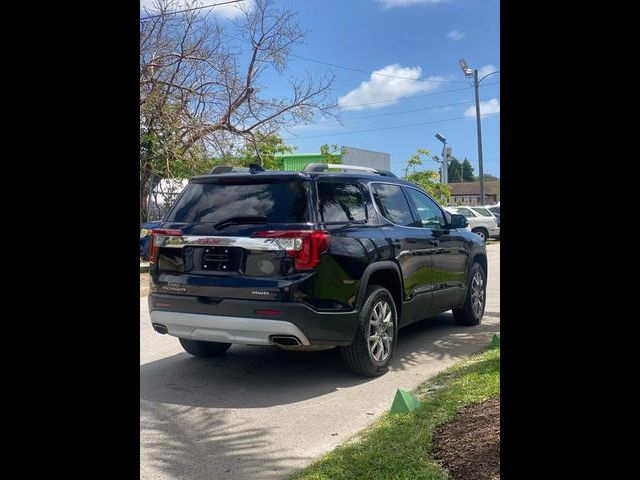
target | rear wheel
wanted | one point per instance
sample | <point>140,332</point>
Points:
<point>372,348</point>
<point>473,309</point>
<point>198,348</point>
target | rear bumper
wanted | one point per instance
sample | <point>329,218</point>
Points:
<point>235,321</point>
<point>216,328</point>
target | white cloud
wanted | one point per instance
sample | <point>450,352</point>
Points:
<point>455,35</point>
<point>491,106</point>
<point>228,12</point>
<point>482,71</point>
<point>407,3</point>
<point>386,86</point>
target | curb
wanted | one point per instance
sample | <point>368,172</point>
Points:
<point>144,267</point>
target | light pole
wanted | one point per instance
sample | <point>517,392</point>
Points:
<point>444,177</point>
<point>473,72</point>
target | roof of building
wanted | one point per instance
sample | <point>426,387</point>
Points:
<point>305,155</point>
<point>473,188</point>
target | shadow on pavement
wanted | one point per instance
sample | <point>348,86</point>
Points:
<point>257,377</point>
<point>206,448</point>
<point>187,423</point>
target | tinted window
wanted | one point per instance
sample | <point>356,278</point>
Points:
<point>280,202</point>
<point>429,213</point>
<point>495,210</point>
<point>341,202</point>
<point>393,204</point>
<point>466,212</point>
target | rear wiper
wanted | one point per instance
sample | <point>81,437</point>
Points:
<point>239,220</point>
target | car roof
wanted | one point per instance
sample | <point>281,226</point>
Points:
<point>356,176</point>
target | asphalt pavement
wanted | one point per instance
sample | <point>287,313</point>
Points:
<point>262,412</point>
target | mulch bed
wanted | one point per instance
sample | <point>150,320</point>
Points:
<point>468,447</point>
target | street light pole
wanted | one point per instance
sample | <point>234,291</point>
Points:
<point>476,84</point>
<point>444,176</point>
<point>469,72</point>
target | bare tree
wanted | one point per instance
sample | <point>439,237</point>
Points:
<point>201,87</point>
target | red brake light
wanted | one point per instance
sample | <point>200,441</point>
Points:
<point>153,250</point>
<point>305,246</point>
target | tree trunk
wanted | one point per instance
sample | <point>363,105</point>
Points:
<point>144,195</point>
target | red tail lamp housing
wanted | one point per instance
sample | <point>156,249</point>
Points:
<point>305,246</point>
<point>153,248</point>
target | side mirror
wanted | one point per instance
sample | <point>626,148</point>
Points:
<point>458,221</point>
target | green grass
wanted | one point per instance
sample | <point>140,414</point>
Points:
<point>398,446</point>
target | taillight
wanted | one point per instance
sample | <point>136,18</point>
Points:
<point>153,248</point>
<point>305,246</point>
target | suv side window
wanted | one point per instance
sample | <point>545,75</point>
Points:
<point>430,214</point>
<point>393,204</point>
<point>466,212</point>
<point>341,202</point>
<point>483,212</point>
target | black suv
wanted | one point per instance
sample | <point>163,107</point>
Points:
<point>310,260</point>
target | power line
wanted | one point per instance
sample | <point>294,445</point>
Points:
<point>351,105</point>
<point>190,9</point>
<point>387,128</point>
<point>432,107</point>
<point>370,72</point>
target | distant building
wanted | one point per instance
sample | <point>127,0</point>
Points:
<point>468,193</point>
<point>351,156</point>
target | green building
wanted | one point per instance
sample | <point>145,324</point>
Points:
<point>298,161</point>
<point>349,156</point>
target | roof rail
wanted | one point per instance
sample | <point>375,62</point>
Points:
<point>253,168</point>
<point>322,167</point>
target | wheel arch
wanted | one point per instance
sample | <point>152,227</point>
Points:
<point>386,274</point>
<point>481,258</point>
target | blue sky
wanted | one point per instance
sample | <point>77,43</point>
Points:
<point>414,46</point>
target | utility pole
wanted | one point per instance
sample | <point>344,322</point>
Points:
<point>476,84</point>
<point>473,72</point>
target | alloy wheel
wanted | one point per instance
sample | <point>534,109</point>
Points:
<point>477,294</point>
<point>380,331</point>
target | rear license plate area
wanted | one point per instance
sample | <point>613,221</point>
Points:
<point>220,259</point>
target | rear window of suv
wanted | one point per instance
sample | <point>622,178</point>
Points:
<point>278,201</point>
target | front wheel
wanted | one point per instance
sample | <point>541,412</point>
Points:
<point>198,348</point>
<point>481,232</point>
<point>372,349</point>
<point>473,309</point>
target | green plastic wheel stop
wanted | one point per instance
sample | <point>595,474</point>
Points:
<point>404,402</point>
<point>495,343</point>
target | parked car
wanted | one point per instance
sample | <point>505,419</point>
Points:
<point>495,209</point>
<point>485,226</point>
<point>145,237</point>
<point>486,212</point>
<point>310,260</point>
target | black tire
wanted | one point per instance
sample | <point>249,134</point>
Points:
<point>358,356</point>
<point>482,233</point>
<point>198,348</point>
<point>468,315</point>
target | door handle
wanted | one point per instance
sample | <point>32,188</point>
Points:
<point>434,241</point>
